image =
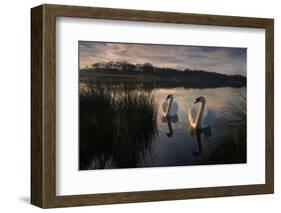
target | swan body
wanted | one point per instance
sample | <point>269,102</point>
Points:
<point>170,107</point>
<point>200,119</point>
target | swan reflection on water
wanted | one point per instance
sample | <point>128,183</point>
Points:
<point>169,120</point>
<point>196,134</point>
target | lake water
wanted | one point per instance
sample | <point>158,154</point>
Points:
<point>173,143</point>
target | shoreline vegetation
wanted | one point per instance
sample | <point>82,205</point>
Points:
<point>234,149</point>
<point>117,126</point>
<point>122,71</point>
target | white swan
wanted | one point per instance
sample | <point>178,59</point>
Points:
<point>169,107</point>
<point>203,117</point>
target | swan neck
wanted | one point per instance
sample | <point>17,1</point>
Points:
<point>170,105</point>
<point>170,127</point>
<point>199,115</point>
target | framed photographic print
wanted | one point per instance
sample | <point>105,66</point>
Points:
<point>135,106</point>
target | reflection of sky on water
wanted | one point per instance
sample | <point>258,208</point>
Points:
<point>178,149</point>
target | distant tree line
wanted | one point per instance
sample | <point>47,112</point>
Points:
<point>126,68</point>
<point>123,66</point>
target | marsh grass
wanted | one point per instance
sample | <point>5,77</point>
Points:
<point>236,110</point>
<point>117,126</point>
<point>234,146</point>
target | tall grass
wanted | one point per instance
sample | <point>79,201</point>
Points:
<point>117,125</point>
<point>236,110</point>
<point>234,147</point>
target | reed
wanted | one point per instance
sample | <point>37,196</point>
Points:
<point>233,149</point>
<point>117,125</point>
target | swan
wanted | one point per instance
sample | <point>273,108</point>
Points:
<point>170,107</point>
<point>203,117</point>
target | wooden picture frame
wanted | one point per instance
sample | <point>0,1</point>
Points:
<point>43,105</point>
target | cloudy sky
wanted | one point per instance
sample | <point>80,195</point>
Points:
<point>214,59</point>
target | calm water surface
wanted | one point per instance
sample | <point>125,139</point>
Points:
<point>224,141</point>
<point>175,145</point>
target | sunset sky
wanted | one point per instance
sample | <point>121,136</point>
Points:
<point>214,59</point>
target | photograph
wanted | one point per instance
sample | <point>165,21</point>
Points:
<point>160,105</point>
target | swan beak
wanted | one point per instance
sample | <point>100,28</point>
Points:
<point>197,100</point>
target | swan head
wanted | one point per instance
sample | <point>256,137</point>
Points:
<point>200,99</point>
<point>169,96</point>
